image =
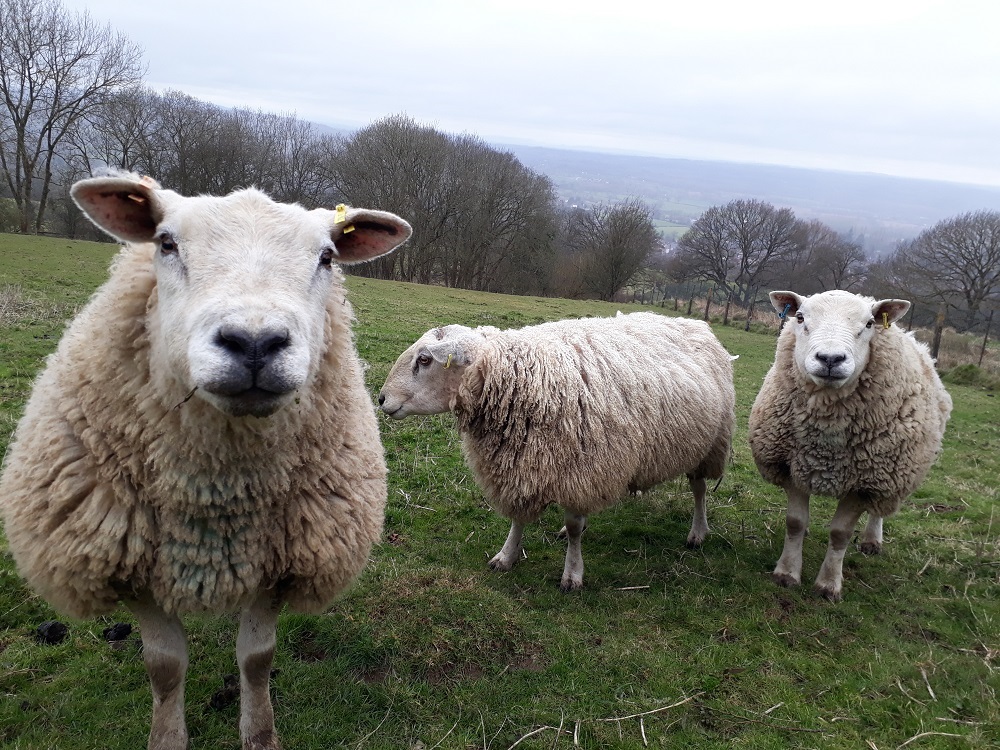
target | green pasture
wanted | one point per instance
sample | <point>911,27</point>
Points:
<point>665,646</point>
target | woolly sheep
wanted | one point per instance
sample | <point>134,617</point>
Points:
<point>202,440</point>
<point>852,408</point>
<point>576,413</point>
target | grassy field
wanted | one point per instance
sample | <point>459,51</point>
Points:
<point>665,647</point>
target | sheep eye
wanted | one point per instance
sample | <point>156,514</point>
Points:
<point>423,360</point>
<point>799,318</point>
<point>870,323</point>
<point>326,257</point>
<point>167,244</point>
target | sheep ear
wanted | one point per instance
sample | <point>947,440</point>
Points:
<point>128,208</point>
<point>449,353</point>
<point>892,309</point>
<point>786,303</point>
<point>361,234</point>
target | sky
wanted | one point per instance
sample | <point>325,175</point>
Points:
<point>907,88</point>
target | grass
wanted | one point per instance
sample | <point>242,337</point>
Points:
<point>432,650</point>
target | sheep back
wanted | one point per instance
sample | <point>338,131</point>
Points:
<point>878,439</point>
<point>117,486</point>
<point>580,412</point>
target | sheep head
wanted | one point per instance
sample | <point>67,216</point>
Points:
<point>238,313</point>
<point>426,377</point>
<point>834,331</point>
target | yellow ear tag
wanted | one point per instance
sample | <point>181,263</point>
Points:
<point>340,214</point>
<point>448,363</point>
<point>885,320</point>
<point>348,229</point>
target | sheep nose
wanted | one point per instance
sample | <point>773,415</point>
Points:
<point>381,399</point>
<point>830,360</point>
<point>256,349</point>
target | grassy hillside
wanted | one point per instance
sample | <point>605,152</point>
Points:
<point>432,650</point>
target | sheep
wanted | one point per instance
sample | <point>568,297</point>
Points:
<point>852,408</point>
<point>202,439</point>
<point>576,413</point>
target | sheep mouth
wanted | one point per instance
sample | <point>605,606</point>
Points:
<point>394,414</point>
<point>252,402</point>
<point>829,379</point>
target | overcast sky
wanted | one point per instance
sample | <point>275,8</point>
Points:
<point>910,88</point>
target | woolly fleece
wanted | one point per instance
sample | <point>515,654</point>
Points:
<point>580,412</point>
<point>113,488</point>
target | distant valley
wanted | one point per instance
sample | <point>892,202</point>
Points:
<point>877,209</point>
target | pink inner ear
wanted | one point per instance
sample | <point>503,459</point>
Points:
<point>369,239</point>
<point>122,208</point>
<point>784,304</point>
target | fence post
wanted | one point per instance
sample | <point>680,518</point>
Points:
<point>690,302</point>
<point>986,337</point>
<point>725,315</point>
<point>938,330</point>
<point>749,314</point>
<point>708,301</point>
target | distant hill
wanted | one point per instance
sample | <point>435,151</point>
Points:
<point>879,210</point>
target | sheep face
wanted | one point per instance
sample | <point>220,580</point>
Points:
<point>833,332</point>
<point>238,316</point>
<point>426,377</point>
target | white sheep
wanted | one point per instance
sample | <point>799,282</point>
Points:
<point>202,439</point>
<point>577,413</point>
<point>852,408</point>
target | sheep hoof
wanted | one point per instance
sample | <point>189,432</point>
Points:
<point>500,564</point>
<point>562,533</point>
<point>569,585</point>
<point>785,580</point>
<point>694,542</point>
<point>870,548</point>
<point>827,592</point>
<point>266,740</point>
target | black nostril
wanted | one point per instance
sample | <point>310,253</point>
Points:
<point>270,342</point>
<point>831,360</point>
<point>381,399</point>
<point>234,340</point>
<point>254,348</point>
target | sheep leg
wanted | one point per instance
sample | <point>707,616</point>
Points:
<point>572,578</point>
<point>788,571</point>
<point>830,581</point>
<point>255,653</point>
<point>871,537</point>
<point>699,523</point>
<point>510,553</point>
<point>164,650</point>
<point>563,534</point>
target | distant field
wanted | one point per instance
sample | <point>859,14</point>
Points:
<point>669,229</point>
<point>665,647</point>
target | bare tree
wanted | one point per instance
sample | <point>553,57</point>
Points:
<point>617,240</point>
<point>55,68</point>
<point>739,246</point>
<point>825,260</point>
<point>503,215</point>
<point>956,263</point>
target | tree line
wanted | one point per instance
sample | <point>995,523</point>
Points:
<point>747,247</point>
<point>74,102</point>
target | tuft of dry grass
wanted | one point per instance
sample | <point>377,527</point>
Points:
<point>19,308</point>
